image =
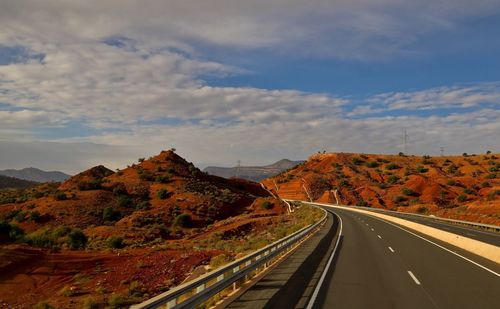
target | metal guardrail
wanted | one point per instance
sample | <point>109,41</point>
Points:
<point>198,291</point>
<point>488,227</point>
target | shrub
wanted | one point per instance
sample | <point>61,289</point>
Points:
<point>409,192</point>
<point>468,191</point>
<point>422,210</point>
<point>34,216</point>
<point>220,260</point>
<point>357,161</point>
<point>61,231</point>
<point>115,242</point>
<point>140,160</point>
<point>162,179</point>
<point>491,176</point>
<point>421,169</point>
<point>183,220</point>
<point>90,303</point>
<point>162,194</point>
<point>94,184</point>
<point>392,166</point>
<point>266,205</point>
<point>372,164</point>
<point>451,182</point>
<point>11,231</point>
<point>143,205</point>
<point>120,189</point>
<point>124,201</point>
<point>110,214</point>
<point>42,238</point>
<point>461,198</point>
<point>60,196</point>
<point>393,179</point>
<point>399,199</point>
<point>42,305</point>
<point>401,154</point>
<point>485,184</point>
<point>362,202</point>
<point>77,239</point>
<point>66,291</point>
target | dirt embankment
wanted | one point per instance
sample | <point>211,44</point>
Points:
<point>462,187</point>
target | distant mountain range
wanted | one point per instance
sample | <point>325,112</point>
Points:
<point>254,173</point>
<point>14,183</point>
<point>34,174</point>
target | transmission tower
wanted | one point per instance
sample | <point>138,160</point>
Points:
<point>405,138</point>
<point>442,151</point>
<point>238,169</point>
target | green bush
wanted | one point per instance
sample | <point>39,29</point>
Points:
<point>372,164</point>
<point>266,205</point>
<point>110,214</point>
<point>34,216</point>
<point>183,220</point>
<point>357,161</point>
<point>162,179</point>
<point>11,231</point>
<point>42,238</point>
<point>77,239</point>
<point>409,192</point>
<point>115,242</point>
<point>451,182</point>
<point>162,194</point>
<point>143,205</point>
<point>421,169</point>
<point>468,191</point>
<point>60,196</point>
<point>94,184</point>
<point>393,179</point>
<point>399,199</point>
<point>124,201</point>
<point>461,198</point>
<point>392,166</point>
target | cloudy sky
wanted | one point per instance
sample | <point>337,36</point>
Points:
<point>89,82</point>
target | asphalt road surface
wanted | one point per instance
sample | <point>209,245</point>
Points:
<point>381,265</point>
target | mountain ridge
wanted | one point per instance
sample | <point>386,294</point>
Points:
<point>254,173</point>
<point>35,174</point>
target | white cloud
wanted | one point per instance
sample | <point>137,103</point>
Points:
<point>131,95</point>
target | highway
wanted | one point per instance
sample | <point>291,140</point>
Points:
<point>484,236</point>
<point>377,265</point>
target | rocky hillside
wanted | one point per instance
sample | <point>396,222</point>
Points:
<point>464,187</point>
<point>101,231</point>
<point>34,174</point>
<point>254,173</point>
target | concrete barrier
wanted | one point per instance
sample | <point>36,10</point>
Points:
<point>480,248</point>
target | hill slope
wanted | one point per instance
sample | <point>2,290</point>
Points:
<point>462,187</point>
<point>34,174</point>
<point>15,183</point>
<point>254,173</point>
<point>133,233</point>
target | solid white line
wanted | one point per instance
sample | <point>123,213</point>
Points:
<point>323,275</point>
<point>392,250</point>
<point>379,236</point>
<point>413,277</point>
<point>444,248</point>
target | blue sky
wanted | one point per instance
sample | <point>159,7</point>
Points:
<point>224,81</point>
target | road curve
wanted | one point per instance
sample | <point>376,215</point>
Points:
<point>377,265</point>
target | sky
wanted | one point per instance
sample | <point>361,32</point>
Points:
<point>106,82</point>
